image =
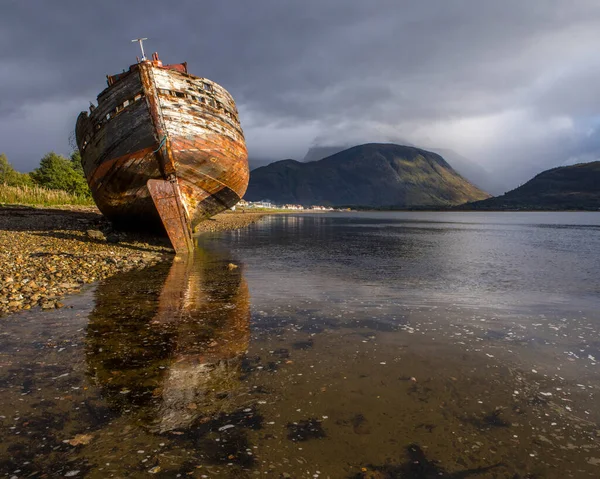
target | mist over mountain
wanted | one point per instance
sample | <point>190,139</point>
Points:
<point>316,153</point>
<point>474,172</point>
<point>567,187</point>
<point>373,175</point>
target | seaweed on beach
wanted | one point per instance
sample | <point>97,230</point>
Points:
<point>417,466</point>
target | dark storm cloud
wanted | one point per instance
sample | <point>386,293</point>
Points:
<point>511,84</point>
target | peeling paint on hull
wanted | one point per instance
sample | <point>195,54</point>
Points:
<point>157,122</point>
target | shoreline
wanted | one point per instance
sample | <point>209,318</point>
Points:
<point>47,253</point>
<point>230,220</point>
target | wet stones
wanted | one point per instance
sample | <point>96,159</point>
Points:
<point>358,422</point>
<point>281,353</point>
<point>80,440</point>
<point>228,221</point>
<point>50,305</point>
<point>113,238</point>
<point>303,345</point>
<point>360,425</point>
<point>46,254</point>
<point>305,430</point>
<point>96,235</point>
<point>418,465</point>
<point>494,419</point>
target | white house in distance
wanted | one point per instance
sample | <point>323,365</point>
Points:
<point>241,204</point>
<point>254,204</point>
<point>322,208</point>
<point>262,204</point>
<point>269,204</point>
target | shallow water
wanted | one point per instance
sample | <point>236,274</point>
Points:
<point>334,345</point>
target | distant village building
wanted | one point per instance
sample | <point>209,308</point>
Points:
<point>269,204</point>
<point>262,204</point>
<point>242,204</point>
<point>321,208</point>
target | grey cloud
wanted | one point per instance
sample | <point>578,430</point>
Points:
<point>326,71</point>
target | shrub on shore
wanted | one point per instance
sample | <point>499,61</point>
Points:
<point>37,195</point>
<point>57,181</point>
<point>10,176</point>
<point>59,173</point>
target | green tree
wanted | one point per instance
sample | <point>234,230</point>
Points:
<point>76,162</point>
<point>77,166</point>
<point>57,173</point>
<point>11,177</point>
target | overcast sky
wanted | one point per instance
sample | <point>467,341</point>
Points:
<point>513,85</point>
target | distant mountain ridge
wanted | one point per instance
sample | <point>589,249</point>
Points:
<point>575,187</point>
<point>316,153</point>
<point>254,163</point>
<point>468,169</point>
<point>371,175</point>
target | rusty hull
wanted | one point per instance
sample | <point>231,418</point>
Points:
<point>159,123</point>
<point>167,199</point>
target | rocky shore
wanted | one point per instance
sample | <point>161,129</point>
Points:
<point>231,220</point>
<point>47,253</point>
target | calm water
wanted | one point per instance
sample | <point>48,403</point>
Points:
<point>390,345</point>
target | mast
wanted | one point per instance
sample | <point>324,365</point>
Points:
<point>141,42</point>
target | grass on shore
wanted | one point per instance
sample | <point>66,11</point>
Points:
<point>38,196</point>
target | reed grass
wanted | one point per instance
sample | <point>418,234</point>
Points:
<point>36,195</point>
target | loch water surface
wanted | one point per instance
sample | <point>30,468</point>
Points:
<point>340,345</point>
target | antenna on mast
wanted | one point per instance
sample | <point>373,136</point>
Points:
<point>141,42</point>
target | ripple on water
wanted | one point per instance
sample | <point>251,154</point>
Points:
<point>335,349</point>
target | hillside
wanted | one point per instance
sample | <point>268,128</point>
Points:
<point>372,175</point>
<point>472,171</point>
<point>575,187</point>
<point>316,153</point>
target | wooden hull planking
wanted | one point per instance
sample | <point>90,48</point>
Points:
<point>154,124</point>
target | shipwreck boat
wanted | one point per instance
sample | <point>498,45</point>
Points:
<point>163,147</point>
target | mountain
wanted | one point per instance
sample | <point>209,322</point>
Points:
<point>371,175</point>
<point>472,171</point>
<point>468,169</point>
<point>254,163</point>
<point>564,188</point>
<point>316,153</point>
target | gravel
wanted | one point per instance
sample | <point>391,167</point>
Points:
<point>228,221</point>
<point>47,253</point>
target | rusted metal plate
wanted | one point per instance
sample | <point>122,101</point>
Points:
<point>167,199</point>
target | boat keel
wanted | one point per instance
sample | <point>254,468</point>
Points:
<point>167,199</point>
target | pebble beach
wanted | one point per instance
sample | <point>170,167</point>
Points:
<point>47,253</point>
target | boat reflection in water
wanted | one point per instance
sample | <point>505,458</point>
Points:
<point>170,350</point>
